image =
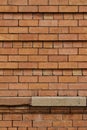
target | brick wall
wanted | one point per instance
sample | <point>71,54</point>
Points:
<point>43,52</point>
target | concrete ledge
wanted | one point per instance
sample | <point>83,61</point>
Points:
<point>43,101</point>
<point>13,101</point>
<point>58,101</point>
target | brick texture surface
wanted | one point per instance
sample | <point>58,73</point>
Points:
<point>43,52</point>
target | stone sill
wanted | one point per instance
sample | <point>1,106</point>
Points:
<point>43,101</point>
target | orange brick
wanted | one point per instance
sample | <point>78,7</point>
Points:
<point>22,123</point>
<point>5,123</point>
<point>6,51</point>
<point>77,2</point>
<point>17,2</point>
<point>82,123</point>
<point>5,79</point>
<point>8,8</point>
<point>28,37</point>
<point>78,30</point>
<point>58,2</point>
<point>28,51</point>
<point>38,58</point>
<point>82,79</point>
<point>48,51</point>
<point>27,65</point>
<point>8,65</point>
<point>8,23</point>
<point>48,65</point>
<point>8,93</point>
<point>28,9</point>
<point>68,65</point>
<point>3,30</point>
<point>68,8</point>
<point>58,58</point>
<point>28,79</point>
<point>48,23</point>
<point>28,22</point>
<point>78,58</point>
<point>83,23</point>
<point>19,86</point>
<point>38,29</point>
<point>48,8</point>
<point>3,58</point>
<point>48,37</point>
<point>38,86</point>
<point>67,93</point>
<point>48,79</point>
<point>38,2</point>
<point>58,30</point>
<point>68,51</point>
<point>12,117</point>
<point>68,37</point>
<point>18,30</point>
<point>83,37</point>
<point>67,22</point>
<point>83,51</point>
<point>42,123</point>
<point>62,123</point>
<point>3,2</point>
<point>18,58</point>
<point>47,93</point>
<point>82,8</point>
<point>68,79</point>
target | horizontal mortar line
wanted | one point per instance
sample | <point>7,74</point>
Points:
<point>44,12</point>
<point>43,40</point>
<point>43,101</point>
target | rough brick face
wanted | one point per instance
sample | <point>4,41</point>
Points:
<point>43,52</point>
